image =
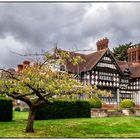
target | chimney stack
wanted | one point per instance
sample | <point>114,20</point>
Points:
<point>134,54</point>
<point>102,44</point>
<point>26,63</point>
<point>20,67</point>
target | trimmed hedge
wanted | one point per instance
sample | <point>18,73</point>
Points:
<point>63,109</point>
<point>6,112</point>
<point>25,110</point>
<point>17,108</point>
<point>127,103</point>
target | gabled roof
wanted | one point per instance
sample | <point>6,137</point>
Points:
<point>122,65</point>
<point>133,67</point>
<point>90,61</point>
<point>135,70</point>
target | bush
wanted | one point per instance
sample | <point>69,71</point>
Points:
<point>63,109</point>
<point>95,103</point>
<point>17,109</point>
<point>25,110</point>
<point>6,112</point>
<point>127,103</point>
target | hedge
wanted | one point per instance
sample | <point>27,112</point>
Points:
<point>6,112</point>
<point>17,108</point>
<point>63,109</point>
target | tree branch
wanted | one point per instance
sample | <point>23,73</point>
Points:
<point>24,99</point>
<point>41,97</point>
<point>18,95</point>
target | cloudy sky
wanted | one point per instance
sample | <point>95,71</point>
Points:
<point>32,27</point>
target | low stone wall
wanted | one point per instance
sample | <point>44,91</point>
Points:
<point>110,106</point>
<point>137,112</point>
<point>128,112</point>
<point>23,105</point>
<point>98,112</point>
<point>101,112</point>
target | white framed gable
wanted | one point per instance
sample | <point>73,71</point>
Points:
<point>108,62</point>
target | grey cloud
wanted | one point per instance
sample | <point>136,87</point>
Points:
<point>39,26</point>
<point>39,23</point>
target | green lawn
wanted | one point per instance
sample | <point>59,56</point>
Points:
<point>113,127</point>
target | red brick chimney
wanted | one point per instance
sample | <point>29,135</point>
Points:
<point>102,44</point>
<point>134,54</point>
<point>20,67</point>
<point>26,63</point>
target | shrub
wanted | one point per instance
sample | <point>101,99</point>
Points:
<point>25,110</point>
<point>17,109</point>
<point>63,109</point>
<point>6,112</point>
<point>95,103</point>
<point>127,103</point>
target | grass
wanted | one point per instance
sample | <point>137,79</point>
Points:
<point>109,127</point>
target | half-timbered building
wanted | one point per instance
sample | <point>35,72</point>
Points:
<point>100,68</point>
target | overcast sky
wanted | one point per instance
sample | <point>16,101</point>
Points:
<point>31,27</point>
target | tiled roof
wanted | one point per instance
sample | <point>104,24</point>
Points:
<point>133,67</point>
<point>93,58</point>
<point>135,70</point>
<point>90,61</point>
<point>122,64</point>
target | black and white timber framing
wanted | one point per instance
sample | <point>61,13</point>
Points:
<point>107,74</point>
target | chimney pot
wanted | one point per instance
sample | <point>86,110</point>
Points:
<point>102,44</point>
<point>26,63</point>
<point>20,67</point>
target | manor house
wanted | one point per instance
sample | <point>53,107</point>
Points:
<point>103,70</point>
<point>100,68</point>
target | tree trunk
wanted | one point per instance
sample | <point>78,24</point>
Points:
<point>30,122</point>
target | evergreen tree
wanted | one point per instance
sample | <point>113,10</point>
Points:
<point>120,53</point>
